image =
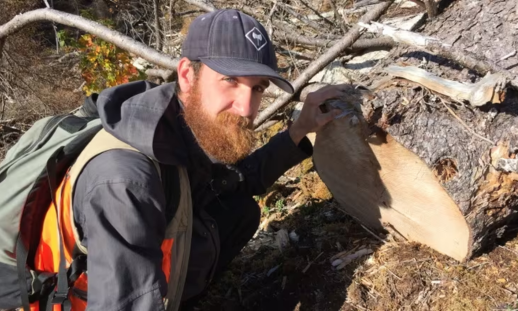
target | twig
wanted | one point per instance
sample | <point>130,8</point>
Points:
<point>317,13</point>
<point>322,61</point>
<point>311,262</point>
<point>292,36</point>
<point>510,250</point>
<point>363,3</point>
<point>513,53</point>
<point>374,235</point>
<point>269,22</point>
<point>202,4</point>
<point>465,125</point>
<point>300,17</point>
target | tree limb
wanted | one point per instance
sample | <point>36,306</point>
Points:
<point>431,8</point>
<point>105,33</point>
<point>2,44</point>
<point>300,17</point>
<point>202,4</point>
<point>490,89</point>
<point>292,36</point>
<point>322,61</point>
<point>317,13</point>
<point>157,25</point>
<point>166,75</point>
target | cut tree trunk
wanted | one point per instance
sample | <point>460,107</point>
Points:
<point>412,164</point>
<point>440,172</point>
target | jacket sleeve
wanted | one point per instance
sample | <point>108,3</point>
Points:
<point>119,206</point>
<point>264,166</point>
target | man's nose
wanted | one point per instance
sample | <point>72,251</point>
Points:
<point>243,103</point>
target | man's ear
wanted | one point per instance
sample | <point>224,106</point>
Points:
<point>185,75</point>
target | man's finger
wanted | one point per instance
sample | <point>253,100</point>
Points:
<point>325,118</point>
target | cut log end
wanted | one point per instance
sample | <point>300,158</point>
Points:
<point>386,183</point>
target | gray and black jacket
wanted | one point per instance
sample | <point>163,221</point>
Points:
<point>121,209</point>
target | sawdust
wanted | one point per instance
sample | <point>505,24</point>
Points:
<point>408,276</point>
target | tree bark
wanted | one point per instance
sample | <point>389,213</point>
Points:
<point>120,40</point>
<point>321,62</point>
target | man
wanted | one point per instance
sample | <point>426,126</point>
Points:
<point>203,122</point>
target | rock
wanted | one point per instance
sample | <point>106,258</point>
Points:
<point>294,237</point>
<point>141,64</point>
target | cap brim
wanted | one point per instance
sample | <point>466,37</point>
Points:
<point>243,68</point>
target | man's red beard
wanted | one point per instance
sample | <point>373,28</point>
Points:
<point>227,138</point>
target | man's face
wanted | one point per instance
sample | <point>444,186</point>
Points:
<point>220,110</point>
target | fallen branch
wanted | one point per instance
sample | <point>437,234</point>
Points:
<point>105,33</point>
<point>2,43</point>
<point>490,89</point>
<point>431,8</point>
<point>300,17</point>
<point>288,34</point>
<point>322,61</point>
<point>166,75</point>
<point>202,4</point>
<point>364,3</point>
<point>436,47</point>
<point>317,13</point>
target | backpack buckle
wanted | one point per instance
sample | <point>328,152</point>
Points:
<point>59,298</point>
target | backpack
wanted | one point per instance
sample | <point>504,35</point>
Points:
<point>29,175</point>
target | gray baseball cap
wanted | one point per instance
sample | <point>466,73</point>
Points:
<point>234,44</point>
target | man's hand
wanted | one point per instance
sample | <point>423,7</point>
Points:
<point>311,118</point>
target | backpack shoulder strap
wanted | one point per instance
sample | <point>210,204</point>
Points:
<point>102,141</point>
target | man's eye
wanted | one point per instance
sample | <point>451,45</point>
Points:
<point>259,89</point>
<point>230,79</point>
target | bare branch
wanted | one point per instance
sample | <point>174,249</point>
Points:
<point>300,17</point>
<point>157,25</point>
<point>105,33</point>
<point>419,3</point>
<point>431,7</point>
<point>201,4</point>
<point>489,89</point>
<point>171,14</point>
<point>166,75</point>
<point>2,44</point>
<point>317,13</point>
<point>321,62</point>
<point>363,3</point>
<point>361,44</point>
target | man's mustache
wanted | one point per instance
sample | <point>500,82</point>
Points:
<point>227,118</point>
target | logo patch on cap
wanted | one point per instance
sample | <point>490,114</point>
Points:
<point>257,38</point>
